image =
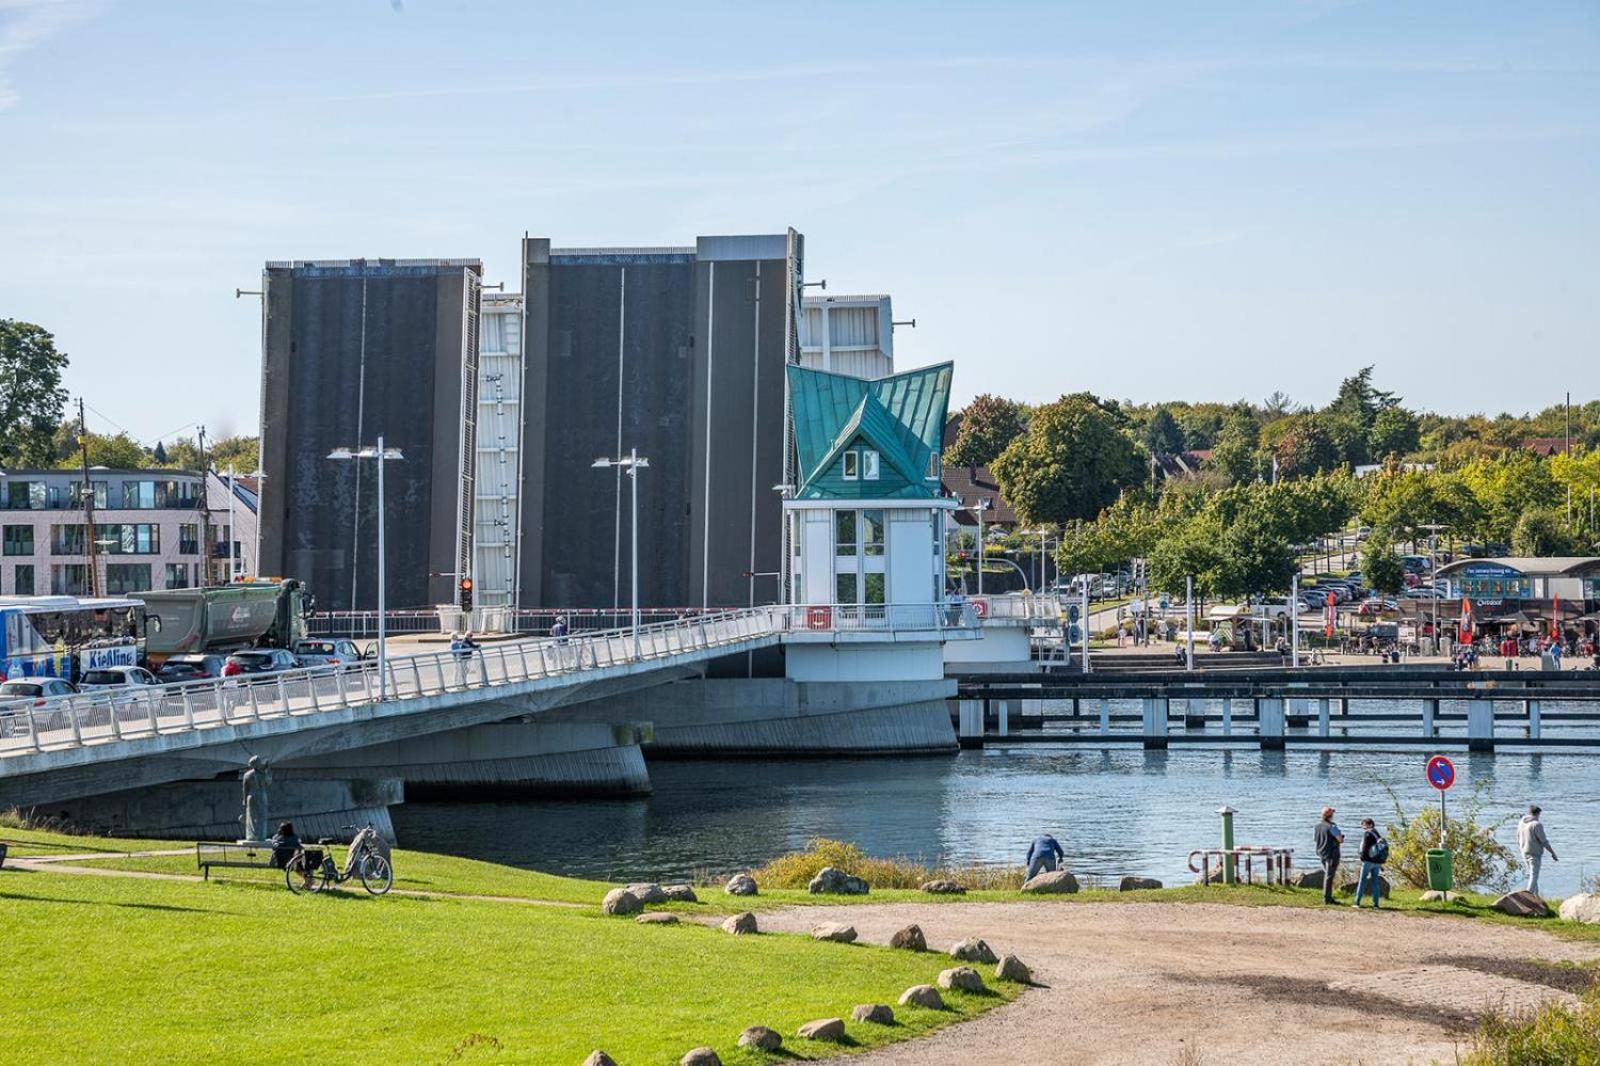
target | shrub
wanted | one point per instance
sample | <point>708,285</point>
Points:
<point>1479,859</point>
<point>796,869</point>
<point>1555,1035</point>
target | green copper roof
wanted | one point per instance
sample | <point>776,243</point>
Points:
<point>902,416</point>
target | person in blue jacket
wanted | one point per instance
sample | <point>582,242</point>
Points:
<point>1043,854</point>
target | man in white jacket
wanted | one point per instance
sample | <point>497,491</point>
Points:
<point>1533,842</point>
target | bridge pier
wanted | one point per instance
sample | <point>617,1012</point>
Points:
<point>1299,715</point>
<point>969,723</point>
<point>1156,722</point>
<point>1480,725</point>
<point>1269,715</point>
<point>1322,717</point>
<point>1430,711</point>
<point>1227,716</point>
<point>1194,717</point>
<point>1530,710</point>
<point>1105,717</point>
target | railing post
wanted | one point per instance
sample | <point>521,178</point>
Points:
<point>116,726</point>
<point>150,704</point>
<point>311,689</point>
<point>522,655</point>
<point>188,708</point>
<point>72,720</point>
<point>416,672</point>
<point>33,730</point>
<point>255,704</point>
<point>343,687</point>
<point>283,693</point>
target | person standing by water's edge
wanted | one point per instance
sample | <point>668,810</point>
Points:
<point>1327,837</point>
<point>1374,853</point>
<point>1043,854</point>
<point>1532,841</point>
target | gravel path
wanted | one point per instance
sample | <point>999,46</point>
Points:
<point>1185,984</point>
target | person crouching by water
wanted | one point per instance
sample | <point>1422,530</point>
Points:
<point>285,845</point>
<point>1043,854</point>
<point>1374,853</point>
<point>1327,837</point>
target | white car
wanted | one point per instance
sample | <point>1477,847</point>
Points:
<point>111,677</point>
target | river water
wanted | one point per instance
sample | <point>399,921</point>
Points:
<point>1116,811</point>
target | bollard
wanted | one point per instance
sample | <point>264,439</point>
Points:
<point>1228,874</point>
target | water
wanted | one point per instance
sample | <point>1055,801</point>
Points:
<point>1116,811</point>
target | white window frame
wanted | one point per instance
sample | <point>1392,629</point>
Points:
<point>869,465</point>
<point>852,465</point>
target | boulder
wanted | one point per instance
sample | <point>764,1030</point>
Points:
<point>964,978</point>
<point>1137,884</point>
<point>922,996</point>
<point>1055,881</point>
<point>1584,907</point>
<point>1306,879</point>
<point>1521,904</point>
<point>973,950</point>
<point>829,1029</point>
<point>700,1056</point>
<point>739,924</point>
<point>599,1058</point>
<point>648,892</point>
<point>909,939</point>
<point>1433,895</point>
<point>740,885</point>
<point>621,901</point>
<point>832,881</point>
<point>876,1013</point>
<point>679,894</point>
<point>761,1038</point>
<point>943,887</point>
<point>657,918</point>
<point>835,932</point>
<point>1011,968</point>
<point>1349,888</point>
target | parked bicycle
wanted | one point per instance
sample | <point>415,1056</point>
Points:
<point>313,869</point>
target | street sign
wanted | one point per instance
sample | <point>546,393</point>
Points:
<point>1441,772</point>
<point>1073,613</point>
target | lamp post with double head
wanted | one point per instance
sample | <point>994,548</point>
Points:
<point>633,462</point>
<point>978,508</point>
<point>382,455</point>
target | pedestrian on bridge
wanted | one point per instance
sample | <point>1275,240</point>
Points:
<point>559,630</point>
<point>1327,837</point>
<point>1043,855</point>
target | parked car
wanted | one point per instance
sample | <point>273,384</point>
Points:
<point>260,661</point>
<point>114,677</point>
<point>1273,607</point>
<point>1377,605</point>
<point>37,689</point>
<point>180,668</point>
<point>326,652</point>
<point>1416,564</point>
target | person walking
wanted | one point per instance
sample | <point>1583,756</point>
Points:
<point>1533,842</point>
<point>1327,837</point>
<point>1374,853</point>
<point>1043,854</point>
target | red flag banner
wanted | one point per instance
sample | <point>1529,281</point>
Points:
<point>1466,621</point>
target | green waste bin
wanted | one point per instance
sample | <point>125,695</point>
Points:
<point>1441,869</point>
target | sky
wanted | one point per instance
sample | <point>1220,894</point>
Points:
<point>1148,201</point>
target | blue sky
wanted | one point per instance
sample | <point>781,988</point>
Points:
<point>1195,201</point>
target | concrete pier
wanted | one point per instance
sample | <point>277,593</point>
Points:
<point>1530,710</point>
<point>209,810</point>
<point>969,718</point>
<point>1480,725</point>
<point>1269,713</point>
<point>1156,720</point>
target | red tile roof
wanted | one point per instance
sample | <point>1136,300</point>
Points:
<point>971,484</point>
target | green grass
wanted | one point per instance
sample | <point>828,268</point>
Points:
<point>136,970</point>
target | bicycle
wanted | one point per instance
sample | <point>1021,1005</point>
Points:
<point>313,869</point>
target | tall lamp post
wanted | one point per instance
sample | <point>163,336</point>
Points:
<point>978,508</point>
<point>382,455</point>
<point>633,462</point>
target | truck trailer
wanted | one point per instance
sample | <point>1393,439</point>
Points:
<point>225,618</point>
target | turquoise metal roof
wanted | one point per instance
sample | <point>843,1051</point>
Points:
<point>902,415</point>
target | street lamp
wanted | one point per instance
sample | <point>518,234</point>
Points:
<point>1043,534</point>
<point>633,462</point>
<point>382,455</point>
<point>978,508</point>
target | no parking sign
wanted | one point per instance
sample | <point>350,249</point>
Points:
<point>1441,772</point>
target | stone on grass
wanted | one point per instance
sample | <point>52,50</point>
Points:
<point>1306,879</point>
<point>973,949</point>
<point>829,1029</point>
<point>1054,881</point>
<point>1011,968</point>
<point>1584,907</point>
<point>1349,888</point>
<point>740,885</point>
<point>761,1038</point>
<point>964,978</point>
<point>837,932</point>
<point>621,901</point>
<point>922,996</point>
<point>876,1013</point>
<point>832,881</point>
<point>909,939</point>
<point>657,918</point>
<point>648,892</point>
<point>1521,904</point>
<point>599,1058</point>
<point>679,894</point>
<point>1137,884</point>
<point>700,1056</point>
<point>1433,895</point>
<point>739,924</point>
<point>943,887</point>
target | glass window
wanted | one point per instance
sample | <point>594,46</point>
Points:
<point>874,587</point>
<point>23,495</point>
<point>933,467</point>
<point>129,538</point>
<point>869,465</point>
<point>69,579</point>
<point>127,577</point>
<point>844,538</point>
<point>138,494</point>
<point>177,575</point>
<point>75,494</point>
<point>189,539</point>
<point>19,540</point>
<point>852,465</point>
<point>872,532</point>
<point>23,583</point>
<point>67,540</point>
<point>844,588</point>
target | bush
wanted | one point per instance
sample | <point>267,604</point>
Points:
<point>1555,1035</point>
<point>1479,859</point>
<point>796,869</point>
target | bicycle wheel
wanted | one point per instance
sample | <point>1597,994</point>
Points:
<point>301,875</point>
<point>376,874</point>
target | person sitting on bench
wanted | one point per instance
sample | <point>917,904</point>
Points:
<point>286,844</point>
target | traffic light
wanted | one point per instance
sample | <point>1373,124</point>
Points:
<point>466,594</point>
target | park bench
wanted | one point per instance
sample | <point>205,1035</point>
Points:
<point>210,854</point>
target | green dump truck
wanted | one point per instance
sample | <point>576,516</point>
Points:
<point>252,614</point>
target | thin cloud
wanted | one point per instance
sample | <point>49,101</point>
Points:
<point>27,24</point>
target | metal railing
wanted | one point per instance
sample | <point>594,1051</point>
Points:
<point>1018,607</point>
<point>532,621</point>
<point>878,617</point>
<point>98,717</point>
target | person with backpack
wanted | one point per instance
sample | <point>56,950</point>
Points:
<point>1374,853</point>
<point>1327,837</point>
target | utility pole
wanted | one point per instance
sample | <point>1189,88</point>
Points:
<point>205,513</point>
<point>88,503</point>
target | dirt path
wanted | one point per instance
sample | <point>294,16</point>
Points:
<point>1183,984</point>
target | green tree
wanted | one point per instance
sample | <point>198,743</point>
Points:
<point>1394,432</point>
<point>31,395</point>
<point>1543,531</point>
<point>1070,464</point>
<point>1237,447</point>
<point>988,425</point>
<point>1253,558</point>
<point>118,451</point>
<point>1382,568</point>
<point>158,454</point>
<point>1188,549</point>
<point>241,453</point>
<point>1306,449</point>
<point>1162,436</point>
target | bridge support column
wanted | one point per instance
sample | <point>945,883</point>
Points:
<point>1156,714</point>
<point>1299,713</point>
<point>1430,711</point>
<point>1227,716</point>
<point>1530,709</point>
<point>1480,725</point>
<point>1194,713</point>
<point>1270,719</point>
<point>1105,717</point>
<point>969,723</point>
<point>1322,717</point>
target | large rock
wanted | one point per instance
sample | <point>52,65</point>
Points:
<point>832,881</point>
<point>1137,884</point>
<point>621,901</point>
<point>943,887</point>
<point>828,1029</point>
<point>964,978</point>
<point>740,885</point>
<point>1054,881</point>
<point>1011,968</point>
<point>739,924</point>
<point>648,892</point>
<point>922,996</point>
<point>761,1038</point>
<point>1584,907</point>
<point>657,918</point>
<point>1349,888</point>
<point>835,932</point>
<point>973,949</point>
<point>679,894</point>
<point>1433,895</point>
<point>599,1058</point>
<point>909,939</point>
<point>1306,879</point>
<point>1521,904</point>
<point>700,1056</point>
<point>876,1013</point>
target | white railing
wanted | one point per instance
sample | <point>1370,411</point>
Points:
<point>97,717</point>
<point>878,617</point>
<point>1016,606</point>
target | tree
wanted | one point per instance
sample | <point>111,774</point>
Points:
<point>1237,444</point>
<point>1252,558</point>
<point>1543,531</point>
<point>1188,550</point>
<point>988,424</point>
<point>31,396</point>
<point>117,451</point>
<point>1161,434</point>
<point>1394,432</point>
<point>1070,464</point>
<point>242,454</point>
<point>1306,449</point>
<point>1382,568</point>
<point>159,454</point>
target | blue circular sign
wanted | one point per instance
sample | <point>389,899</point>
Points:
<point>1441,772</point>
